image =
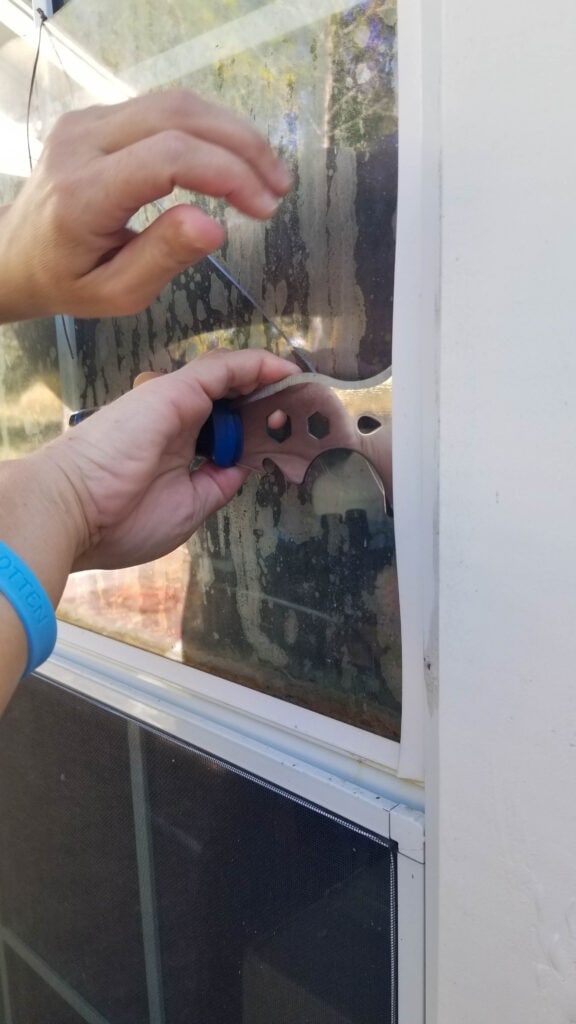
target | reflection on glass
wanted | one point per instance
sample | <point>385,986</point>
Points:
<point>291,590</point>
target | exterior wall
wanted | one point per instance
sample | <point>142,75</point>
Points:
<point>502,726</point>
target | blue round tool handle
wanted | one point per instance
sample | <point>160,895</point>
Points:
<point>221,438</point>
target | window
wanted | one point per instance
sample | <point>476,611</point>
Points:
<point>290,590</point>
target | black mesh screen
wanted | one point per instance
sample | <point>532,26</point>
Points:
<point>33,1001</point>
<point>144,881</point>
<point>68,873</point>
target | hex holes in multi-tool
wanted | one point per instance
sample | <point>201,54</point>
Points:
<point>278,426</point>
<point>318,425</point>
<point>368,424</point>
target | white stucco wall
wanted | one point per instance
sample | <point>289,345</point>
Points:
<point>501,761</point>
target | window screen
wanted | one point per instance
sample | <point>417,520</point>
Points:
<point>143,880</point>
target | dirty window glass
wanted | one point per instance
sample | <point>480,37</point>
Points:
<point>291,589</point>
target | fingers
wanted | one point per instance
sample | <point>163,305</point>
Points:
<point>102,164</point>
<point>130,461</point>
<point>212,488</point>
<point>169,411</point>
<point>137,273</point>
<point>135,152</point>
<point>250,355</point>
<point>127,123</point>
<point>154,166</point>
<point>221,374</point>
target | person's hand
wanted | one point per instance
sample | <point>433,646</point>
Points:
<point>122,480</point>
<point>64,243</point>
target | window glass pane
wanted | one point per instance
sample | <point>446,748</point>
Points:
<point>291,589</point>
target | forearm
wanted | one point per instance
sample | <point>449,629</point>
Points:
<point>24,291</point>
<point>4,286</point>
<point>15,292</point>
<point>39,523</point>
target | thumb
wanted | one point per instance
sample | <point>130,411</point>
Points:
<point>214,487</point>
<point>136,274</point>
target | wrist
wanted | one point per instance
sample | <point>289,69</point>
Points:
<point>10,304</point>
<point>41,518</point>
<point>22,296</point>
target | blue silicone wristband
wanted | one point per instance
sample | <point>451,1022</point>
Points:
<point>32,605</point>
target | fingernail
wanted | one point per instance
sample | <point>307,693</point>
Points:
<point>268,203</point>
<point>284,176</point>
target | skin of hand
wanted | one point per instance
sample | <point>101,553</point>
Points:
<point>64,242</point>
<point>123,475</point>
<point>117,489</point>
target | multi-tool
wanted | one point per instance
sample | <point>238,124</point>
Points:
<point>295,420</point>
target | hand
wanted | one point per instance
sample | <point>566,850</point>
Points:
<point>124,473</point>
<point>64,243</point>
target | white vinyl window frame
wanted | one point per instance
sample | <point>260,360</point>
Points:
<point>137,684</point>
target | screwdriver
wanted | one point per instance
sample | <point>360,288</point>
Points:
<point>221,437</point>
